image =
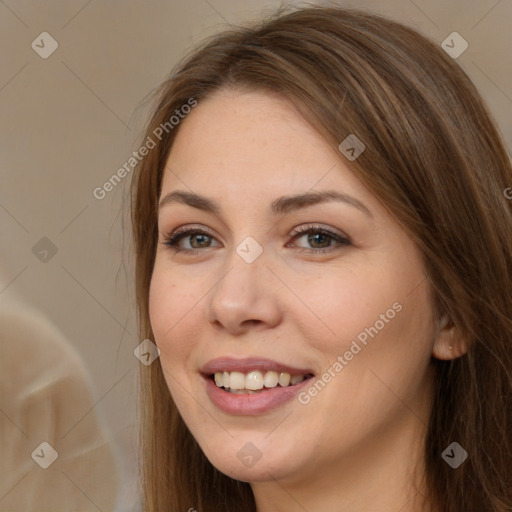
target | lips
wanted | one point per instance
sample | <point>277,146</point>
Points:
<point>246,365</point>
<point>256,399</point>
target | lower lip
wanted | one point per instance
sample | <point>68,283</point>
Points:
<point>256,403</point>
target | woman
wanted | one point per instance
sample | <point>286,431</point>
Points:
<point>324,258</point>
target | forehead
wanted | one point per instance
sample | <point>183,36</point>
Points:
<point>252,144</point>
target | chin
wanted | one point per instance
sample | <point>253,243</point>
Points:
<point>250,461</point>
<point>260,472</point>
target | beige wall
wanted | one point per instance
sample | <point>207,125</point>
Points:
<point>70,121</point>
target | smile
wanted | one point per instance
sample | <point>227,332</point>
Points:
<point>255,381</point>
<point>252,386</point>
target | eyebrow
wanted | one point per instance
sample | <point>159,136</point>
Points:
<point>281,205</point>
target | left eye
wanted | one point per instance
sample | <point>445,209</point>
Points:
<point>320,239</point>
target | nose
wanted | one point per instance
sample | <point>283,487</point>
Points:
<point>245,297</point>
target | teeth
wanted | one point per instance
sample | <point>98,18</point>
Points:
<point>252,382</point>
<point>271,379</point>
<point>295,379</point>
<point>236,380</point>
<point>284,379</point>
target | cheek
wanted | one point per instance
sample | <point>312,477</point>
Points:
<point>381,313</point>
<point>171,311</point>
<point>342,306</point>
<point>375,363</point>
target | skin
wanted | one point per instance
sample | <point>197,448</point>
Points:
<point>357,444</point>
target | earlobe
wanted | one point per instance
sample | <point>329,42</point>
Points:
<point>449,343</point>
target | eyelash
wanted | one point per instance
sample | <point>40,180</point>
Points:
<point>174,238</point>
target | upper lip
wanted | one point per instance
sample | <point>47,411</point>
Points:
<point>247,364</point>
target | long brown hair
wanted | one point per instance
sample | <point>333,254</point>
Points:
<point>435,158</point>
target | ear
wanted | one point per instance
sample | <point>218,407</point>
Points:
<point>449,343</point>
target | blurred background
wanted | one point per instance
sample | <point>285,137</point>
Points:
<point>75,76</point>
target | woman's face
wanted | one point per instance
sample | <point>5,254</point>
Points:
<point>345,301</point>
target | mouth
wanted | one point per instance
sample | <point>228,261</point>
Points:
<point>256,381</point>
<point>252,386</point>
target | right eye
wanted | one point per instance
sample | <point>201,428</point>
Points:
<point>198,239</point>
